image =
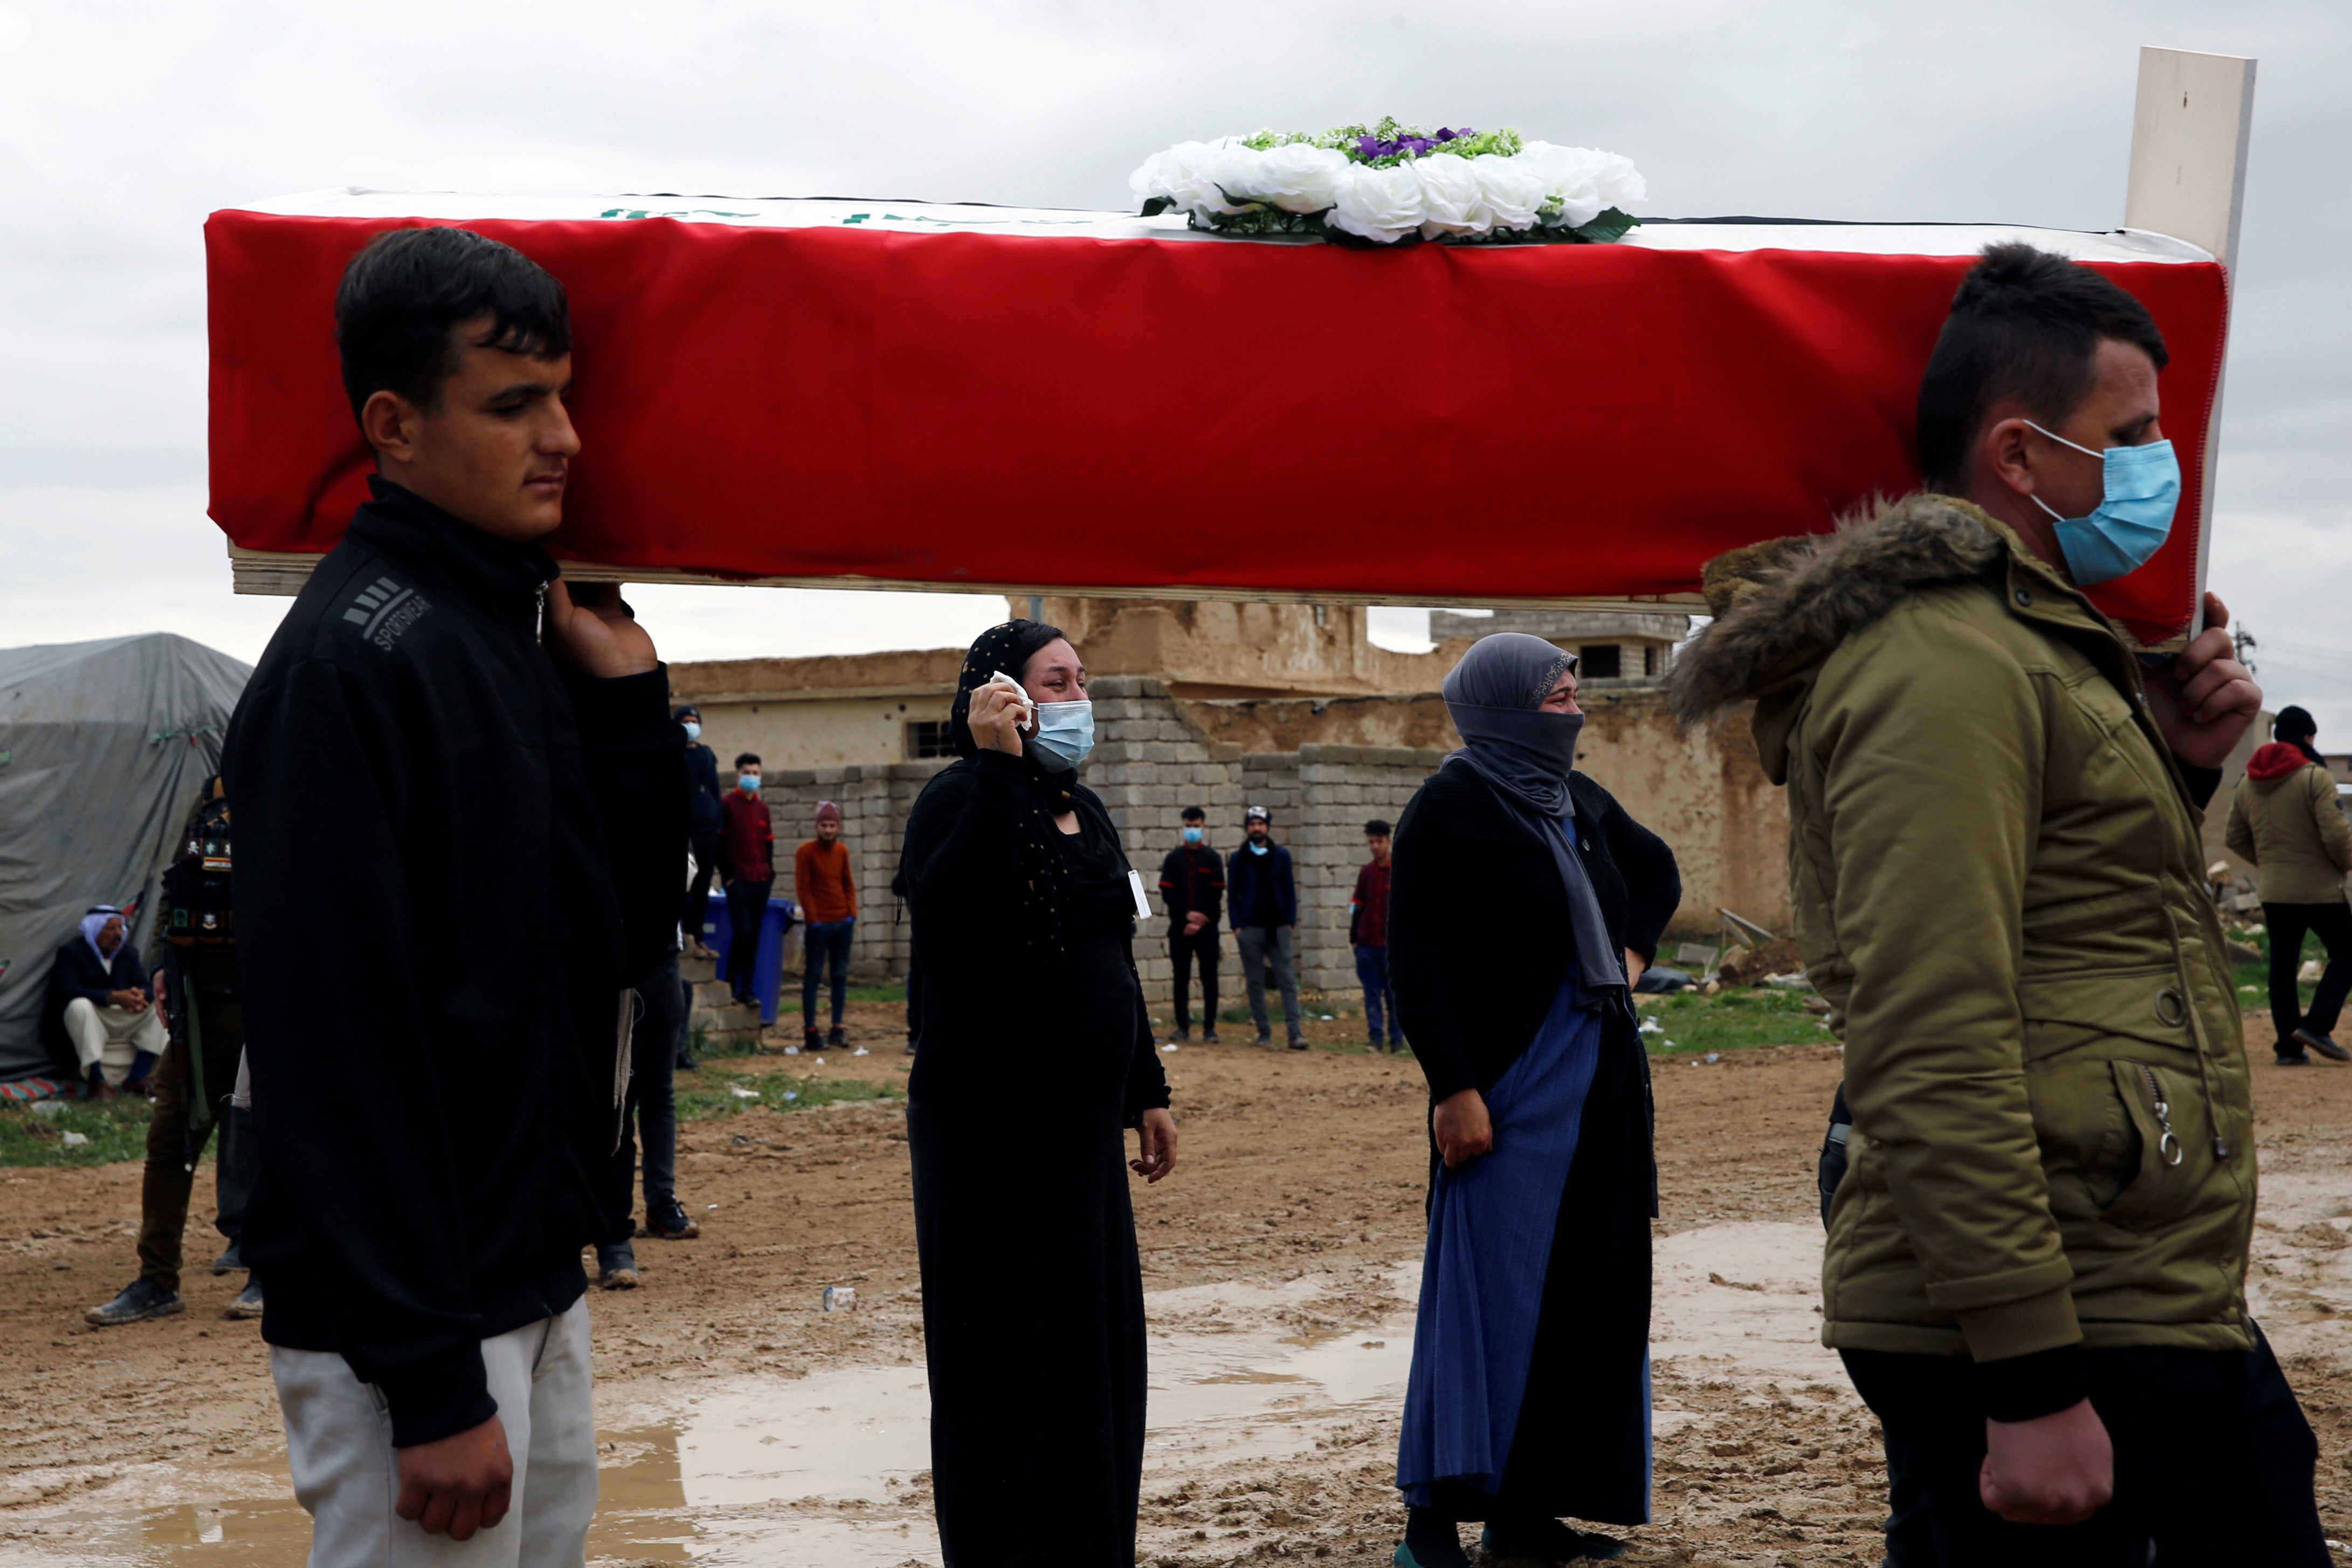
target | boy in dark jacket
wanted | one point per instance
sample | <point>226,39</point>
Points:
<point>462,812</point>
<point>1192,882</point>
<point>706,822</point>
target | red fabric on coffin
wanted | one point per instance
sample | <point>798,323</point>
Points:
<point>957,408</point>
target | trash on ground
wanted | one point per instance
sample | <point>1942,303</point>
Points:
<point>742,1093</point>
<point>1790,982</point>
<point>74,1140</point>
<point>840,1298</point>
<point>1652,1026</point>
<point>49,1108</point>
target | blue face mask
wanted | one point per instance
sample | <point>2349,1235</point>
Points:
<point>1191,836</point>
<point>1256,848</point>
<point>693,730</point>
<point>2133,518</point>
<point>748,782</point>
<point>1066,734</point>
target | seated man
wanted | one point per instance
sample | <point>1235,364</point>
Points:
<point>99,1022</point>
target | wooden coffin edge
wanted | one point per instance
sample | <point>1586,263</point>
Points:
<point>283,572</point>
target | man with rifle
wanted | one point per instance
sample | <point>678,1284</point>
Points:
<point>196,986</point>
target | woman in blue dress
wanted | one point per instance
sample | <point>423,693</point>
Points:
<point>1524,904</point>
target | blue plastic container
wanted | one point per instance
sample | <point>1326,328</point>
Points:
<point>768,969</point>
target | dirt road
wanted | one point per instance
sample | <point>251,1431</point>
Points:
<point>1280,1258</point>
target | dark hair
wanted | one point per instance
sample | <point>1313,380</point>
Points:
<point>2293,724</point>
<point>403,295</point>
<point>1194,814</point>
<point>751,756</point>
<point>2025,324</point>
<point>679,712</point>
<point>1376,828</point>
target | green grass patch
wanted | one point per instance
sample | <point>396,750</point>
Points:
<point>117,1130</point>
<point>1730,1020</point>
<point>2253,980</point>
<point>778,1091</point>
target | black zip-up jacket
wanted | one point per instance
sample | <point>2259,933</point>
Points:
<point>1191,877</point>
<point>452,855</point>
<point>704,815</point>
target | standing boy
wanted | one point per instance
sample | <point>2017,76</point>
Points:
<point>432,1067</point>
<point>1368,932</point>
<point>747,863</point>
<point>1193,881</point>
<point>1266,913</point>
<point>705,825</point>
<point>827,895</point>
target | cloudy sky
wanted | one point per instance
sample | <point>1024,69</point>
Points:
<point>122,122</point>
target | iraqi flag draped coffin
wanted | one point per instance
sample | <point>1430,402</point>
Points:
<point>974,397</point>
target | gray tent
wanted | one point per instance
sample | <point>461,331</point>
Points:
<point>103,747</point>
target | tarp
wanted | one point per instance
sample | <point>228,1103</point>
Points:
<point>970,396</point>
<point>103,747</point>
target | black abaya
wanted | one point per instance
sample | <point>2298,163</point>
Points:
<point>1035,1055</point>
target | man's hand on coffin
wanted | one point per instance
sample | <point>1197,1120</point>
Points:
<point>2206,699</point>
<point>998,712</point>
<point>1461,1126</point>
<point>591,629</point>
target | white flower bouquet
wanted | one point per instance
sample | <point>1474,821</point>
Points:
<point>1388,182</point>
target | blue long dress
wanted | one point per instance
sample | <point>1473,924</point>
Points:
<point>1493,1223</point>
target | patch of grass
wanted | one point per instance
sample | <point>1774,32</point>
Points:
<point>117,1130</point>
<point>788,999</point>
<point>1729,1021</point>
<point>2253,980</point>
<point>777,1090</point>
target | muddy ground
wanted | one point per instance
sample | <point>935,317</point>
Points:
<point>1296,1212</point>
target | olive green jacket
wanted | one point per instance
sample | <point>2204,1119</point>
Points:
<point>1999,887</point>
<point>2295,835</point>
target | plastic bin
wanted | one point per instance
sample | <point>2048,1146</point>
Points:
<point>768,969</point>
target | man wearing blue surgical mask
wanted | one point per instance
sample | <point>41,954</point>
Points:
<point>1192,883</point>
<point>706,826</point>
<point>2036,1262</point>
<point>1265,899</point>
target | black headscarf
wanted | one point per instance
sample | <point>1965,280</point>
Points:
<point>1045,876</point>
<point>1495,697</point>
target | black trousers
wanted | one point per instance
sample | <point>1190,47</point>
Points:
<point>649,1114</point>
<point>747,911</point>
<point>1183,952</point>
<point>2213,1462</point>
<point>697,891</point>
<point>2332,924</point>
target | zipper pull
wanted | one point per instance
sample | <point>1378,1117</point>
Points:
<point>538,613</point>
<point>2167,1147</point>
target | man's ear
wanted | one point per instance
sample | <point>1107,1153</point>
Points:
<point>2004,458</point>
<point>389,422</point>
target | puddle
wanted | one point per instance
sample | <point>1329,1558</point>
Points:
<point>832,1467</point>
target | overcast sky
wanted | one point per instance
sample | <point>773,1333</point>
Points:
<point>123,122</point>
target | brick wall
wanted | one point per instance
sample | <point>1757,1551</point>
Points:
<point>1148,764</point>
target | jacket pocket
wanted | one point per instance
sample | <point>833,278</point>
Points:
<point>2158,1186</point>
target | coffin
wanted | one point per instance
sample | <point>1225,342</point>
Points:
<point>976,398</point>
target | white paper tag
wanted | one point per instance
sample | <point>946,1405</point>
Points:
<point>1135,886</point>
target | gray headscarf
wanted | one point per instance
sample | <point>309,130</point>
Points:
<point>1494,696</point>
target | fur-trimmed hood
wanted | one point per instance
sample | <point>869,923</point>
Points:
<point>1783,605</point>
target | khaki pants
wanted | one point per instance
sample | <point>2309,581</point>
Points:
<point>111,1037</point>
<point>347,1473</point>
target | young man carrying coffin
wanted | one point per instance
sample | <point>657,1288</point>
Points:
<point>461,803</point>
<point>2036,1263</point>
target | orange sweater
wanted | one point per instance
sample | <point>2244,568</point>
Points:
<point>822,883</point>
